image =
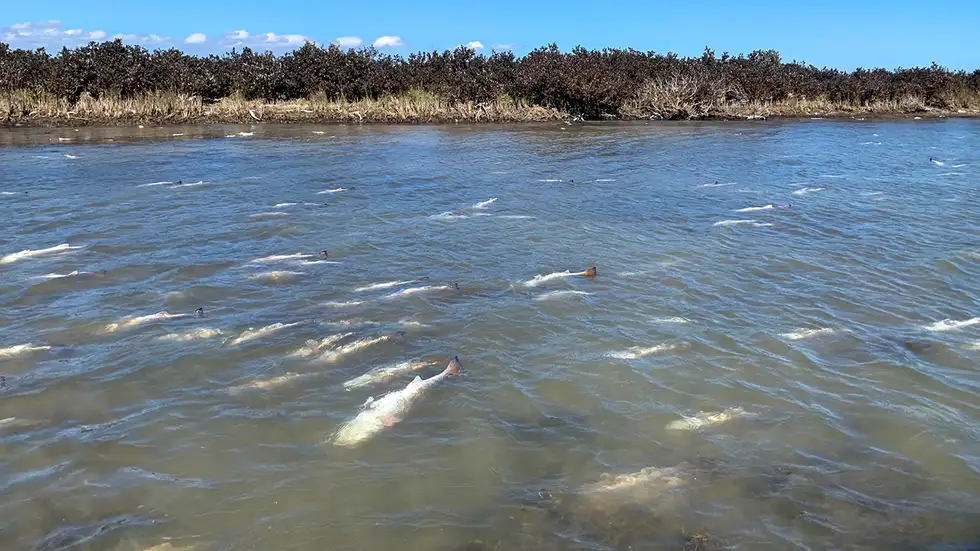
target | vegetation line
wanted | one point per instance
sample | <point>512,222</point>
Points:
<point>112,83</point>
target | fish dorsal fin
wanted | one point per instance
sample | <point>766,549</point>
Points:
<point>417,379</point>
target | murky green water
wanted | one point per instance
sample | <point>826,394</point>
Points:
<point>822,318</point>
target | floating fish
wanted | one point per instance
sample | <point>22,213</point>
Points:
<point>386,373</point>
<point>377,415</point>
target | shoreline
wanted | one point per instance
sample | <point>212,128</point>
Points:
<point>130,122</point>
<point>169,110</point>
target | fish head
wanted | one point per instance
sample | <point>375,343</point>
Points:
<point>591,272</point>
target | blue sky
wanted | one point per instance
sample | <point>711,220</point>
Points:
<point>832,33</point>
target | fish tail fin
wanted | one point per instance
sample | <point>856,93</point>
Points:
<point>454,366</point>
<point>591,272</point>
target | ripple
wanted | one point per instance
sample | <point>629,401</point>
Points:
<point>808,386</point>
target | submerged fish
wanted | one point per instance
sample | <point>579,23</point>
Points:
<point>391,408</point>
<point>131,321</point>
<point>339,353</point>
<point>702,419</point>
<point>387,373</point>
<point>390,284</point>
<point>20,349</point>
<point>30,253</point>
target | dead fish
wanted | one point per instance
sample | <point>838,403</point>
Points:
<point>377,415</point>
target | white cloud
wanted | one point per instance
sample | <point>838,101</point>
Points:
<point>263,41</point>
<point>349,41</point>
<point>49,34</point>
<point>388,42</point>
<point>475,45</point>
<point>504,47</point>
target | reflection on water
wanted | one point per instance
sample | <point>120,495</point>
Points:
<point>778,349</point>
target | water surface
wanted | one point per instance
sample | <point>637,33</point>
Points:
<point>821,317</point>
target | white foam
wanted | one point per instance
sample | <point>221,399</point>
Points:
<point>870,143</point>
<point>280,205</point>
<point>20,350</point>
<point>803,333</point>
<point>974,346</point>
<point>251,333</point>
<point>940,163</point>
<point>515,216</point>
<point>560,294</point>
<point>951,325</point>
<point>177,134</point>
<point>336,190</point>
<point>31,253</point>
<point>806,190</point>
<point>638,352</point>
<point>961,165</point>
<point>753,209</point>
<point>872,193</point>
<point>67,156</point>
<point>318,132</point>
<point>193,335</point>
<point>550,180</point>
<point>717,185</point>
<point>277,276</point>
<point>151,184</point>
<point>484,204</point>
<point>606,180</point>
<point>191,184</point>
<point>7,193</point>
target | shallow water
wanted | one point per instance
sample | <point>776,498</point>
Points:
<point>819,317</point>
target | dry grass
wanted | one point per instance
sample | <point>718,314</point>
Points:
<point>675,98</point>
<point>415,107</point>
<point>698,98</point>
